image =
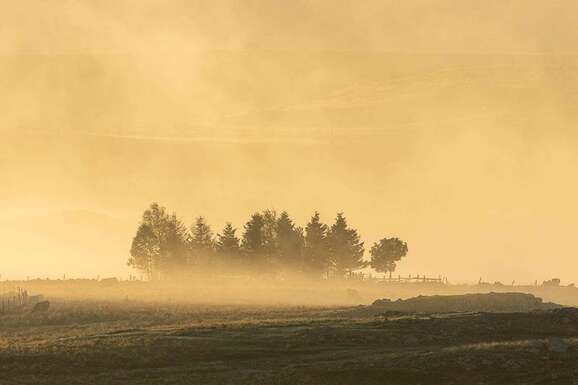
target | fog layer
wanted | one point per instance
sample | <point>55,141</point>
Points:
<point>447,123</point>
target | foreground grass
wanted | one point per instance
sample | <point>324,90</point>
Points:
<point>135,343</point>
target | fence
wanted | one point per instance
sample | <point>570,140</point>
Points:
<point>399,278</point>
<point>14,299</point>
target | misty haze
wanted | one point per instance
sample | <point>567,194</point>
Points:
<point>288,192</point>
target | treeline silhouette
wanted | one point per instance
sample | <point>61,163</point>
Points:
<point>271,243</point>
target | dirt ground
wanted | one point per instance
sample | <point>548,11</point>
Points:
<point>126,342</point>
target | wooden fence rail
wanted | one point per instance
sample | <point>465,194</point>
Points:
<point>399,278</point>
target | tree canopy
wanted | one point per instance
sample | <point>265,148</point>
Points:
<point>163,247</point>
<point>159,247</point>
<point>345,247</point>
<point>227,242</point>
<point>386,253</point>
<point>316,257</point>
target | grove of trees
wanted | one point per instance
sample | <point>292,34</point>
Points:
<point>269,243</point>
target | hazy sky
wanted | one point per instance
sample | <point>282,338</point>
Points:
<point>451,124</point>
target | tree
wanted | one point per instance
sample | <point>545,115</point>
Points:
<point>201,242</point>
<point>316,254</point>
<point>289,243</point>
<point>227,248</point>
<point>269,232</point>
<point>201,234</point>
<point>252,245</point>
<point>227,243</point>
<point>144,250</point>
<point>345,247</point>
<point>174,246</point>
<point>164,236</point>
<point>156,217</point>
<point>385,254</point>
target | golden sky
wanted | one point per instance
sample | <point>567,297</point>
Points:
<point>451,124</point>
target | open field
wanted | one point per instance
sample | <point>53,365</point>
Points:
<point>125,342</point>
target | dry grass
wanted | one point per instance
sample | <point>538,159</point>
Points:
<point>125,342</point>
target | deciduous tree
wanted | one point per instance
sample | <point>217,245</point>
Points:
<point>385,254</point>
<point>144,250</point>
<point>165,236</point>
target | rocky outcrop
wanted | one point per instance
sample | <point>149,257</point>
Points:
<point>487,302</point>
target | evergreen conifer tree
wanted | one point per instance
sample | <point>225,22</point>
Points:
<point>345,248</point>
<point>316,253</point>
